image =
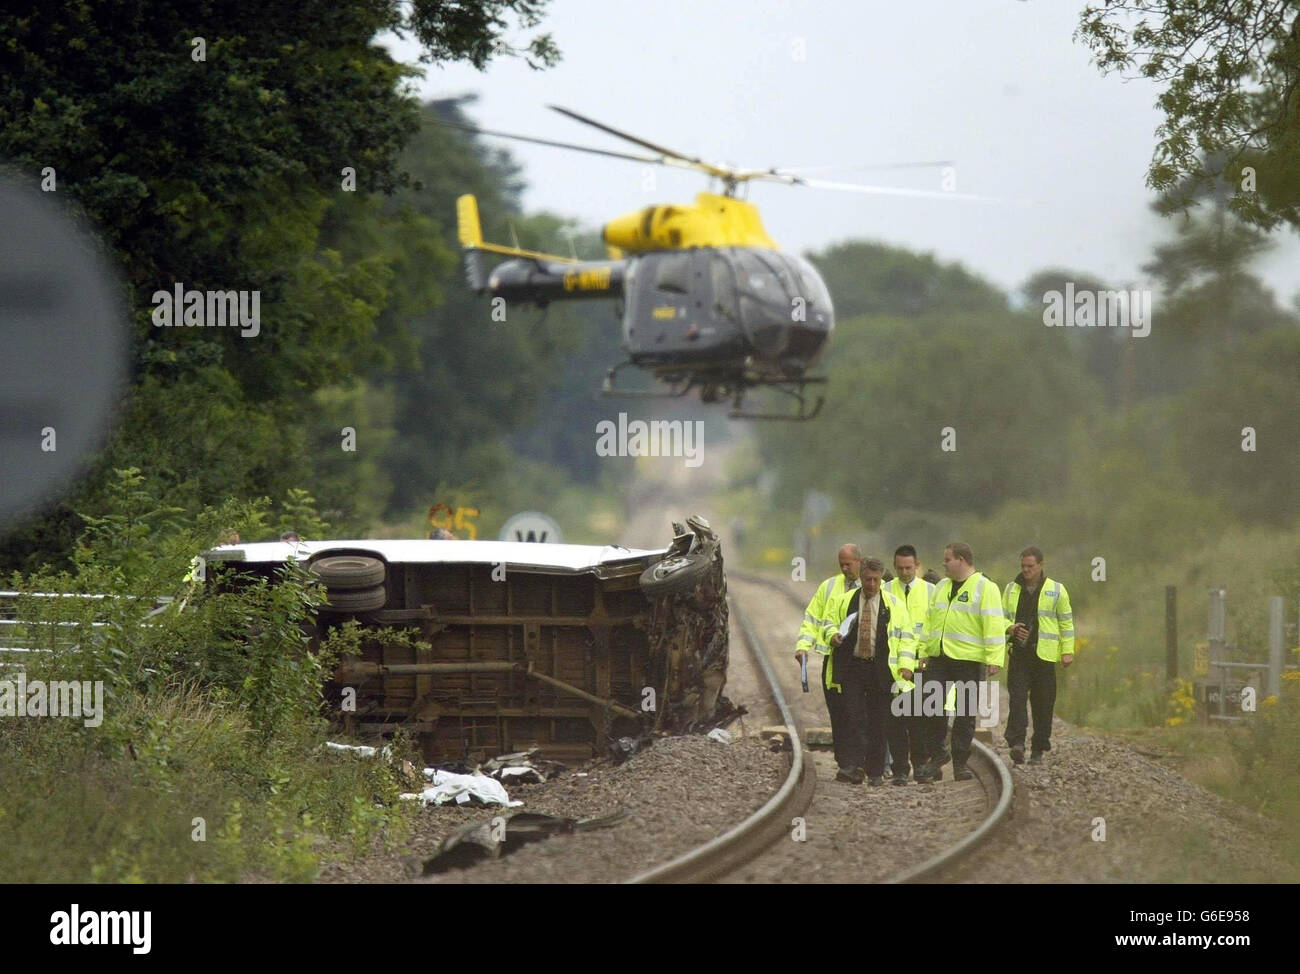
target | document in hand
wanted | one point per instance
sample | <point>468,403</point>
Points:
<point>847,624</point>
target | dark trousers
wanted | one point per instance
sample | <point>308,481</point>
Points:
<point>858,714</point>
<point>905,734</point>
<point>1031,682</point>
<point>946,670</point>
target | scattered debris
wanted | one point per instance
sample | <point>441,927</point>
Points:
<point>522,767</point>
<point>624,747</point>
<point>504,834</point>
<point>818,737</point>
<point>777,737</point>
<point>410,774</point>
<point>360,750</point>
<point>719,735</point>
<point>461,789</point>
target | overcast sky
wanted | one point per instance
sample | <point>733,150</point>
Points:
<point>998,86</point>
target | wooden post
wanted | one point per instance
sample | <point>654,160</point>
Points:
<point>1171,632</point>
<point>1275,609</point>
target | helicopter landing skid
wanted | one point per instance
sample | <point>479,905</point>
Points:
<point>795,390</point>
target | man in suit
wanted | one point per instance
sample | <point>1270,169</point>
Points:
<point>875,655</point>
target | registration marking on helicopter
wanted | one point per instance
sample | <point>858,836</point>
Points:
<point>665,312</point>
<point>592,280</point>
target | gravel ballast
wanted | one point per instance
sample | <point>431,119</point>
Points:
<point>680,792</point>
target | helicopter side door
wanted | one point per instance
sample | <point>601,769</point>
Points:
<point>681,309</point>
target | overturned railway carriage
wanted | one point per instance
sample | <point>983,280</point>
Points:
<point>556,646</point>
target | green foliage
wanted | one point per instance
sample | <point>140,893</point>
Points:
<point>895,384</point>
<point>227,173</point>
<point>1227,74</point>
<point>878,279</point>
<point>212,709</point>
<point>456,417</point>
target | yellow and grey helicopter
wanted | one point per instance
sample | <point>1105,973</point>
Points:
<point>708,301</point>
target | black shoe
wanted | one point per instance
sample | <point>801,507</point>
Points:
<point>928,773</point>
<point>842,775</point>
<point>876,780</point>
<point>900,779</point>
<point>1018,755</point>
<point>961,773</point>
<point>941,758</point>
<point>858,775</point>
<point>1036,757</point>
<point>901,775</point>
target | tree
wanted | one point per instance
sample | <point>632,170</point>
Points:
<point>879,279</point>
<point>213,146</point>
<point>1229,73</point>
<point>999,381</point>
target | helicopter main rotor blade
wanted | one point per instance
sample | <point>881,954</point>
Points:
<point>722,172</point>
<point>551,142</point>
<point>936,194</point>
<point>799,170</point>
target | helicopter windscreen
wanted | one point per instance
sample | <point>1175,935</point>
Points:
<point>778,296</point>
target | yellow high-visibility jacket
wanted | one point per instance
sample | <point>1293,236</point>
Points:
<point>1055,617</point>
<point>972,627</point>
<point>900,638</point>
<point>814,617</point>
<point>918,602</point>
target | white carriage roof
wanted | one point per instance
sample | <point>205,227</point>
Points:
<point>520,554</point>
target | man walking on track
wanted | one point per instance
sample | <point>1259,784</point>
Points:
<point>1041,634</point>
<point>812,636</point>
<point>964,629</point>
<point>872,652</point>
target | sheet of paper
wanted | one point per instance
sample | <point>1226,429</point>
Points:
<point>847,624</point>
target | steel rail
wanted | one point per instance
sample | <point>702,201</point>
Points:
<point>745,841</point>
<point>993,775</point>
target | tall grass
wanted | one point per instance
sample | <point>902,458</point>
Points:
<point>207,766</point>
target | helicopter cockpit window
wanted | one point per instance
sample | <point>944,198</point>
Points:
<point>810,284</point>
<point>673,273</point>
<point>765,286</point>
<point>764,280</point>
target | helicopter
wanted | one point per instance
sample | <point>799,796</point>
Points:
<point>708,301</point>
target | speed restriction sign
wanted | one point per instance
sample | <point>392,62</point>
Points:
<point>531,526</point>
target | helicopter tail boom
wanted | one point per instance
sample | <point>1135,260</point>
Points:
<point>531,276</point>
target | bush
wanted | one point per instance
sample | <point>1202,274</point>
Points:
<point>206,763</point>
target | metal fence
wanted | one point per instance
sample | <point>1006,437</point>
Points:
<point>20,638</point>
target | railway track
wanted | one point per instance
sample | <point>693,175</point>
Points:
<point>973,809</point>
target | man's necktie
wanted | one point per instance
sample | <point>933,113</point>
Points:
<point>866,647</point>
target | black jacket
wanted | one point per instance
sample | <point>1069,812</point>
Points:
<point>881,675</point>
